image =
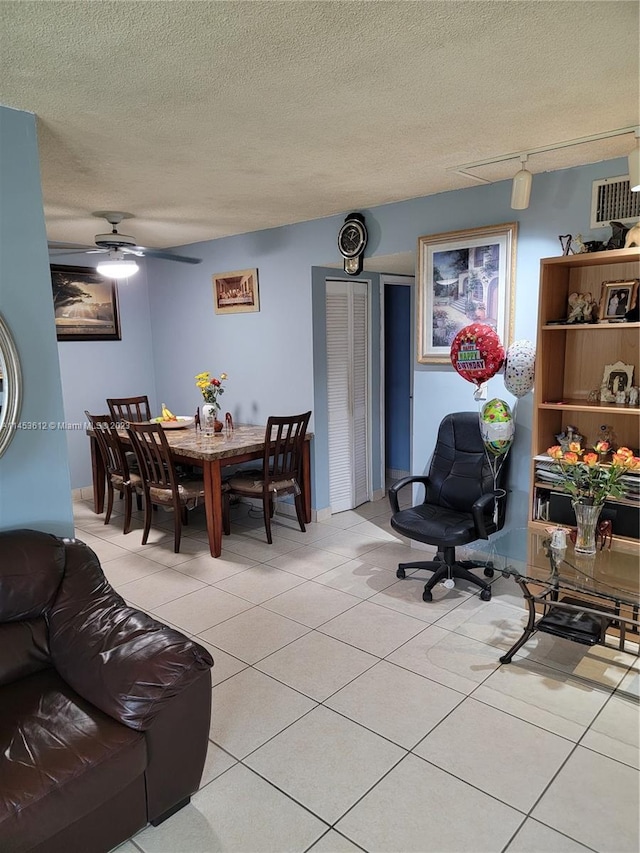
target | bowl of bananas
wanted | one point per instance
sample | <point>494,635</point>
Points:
<point>168,420</point>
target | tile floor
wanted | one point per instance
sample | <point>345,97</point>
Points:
<point>349,715</point>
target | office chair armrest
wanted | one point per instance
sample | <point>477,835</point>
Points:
<point>478,510</point>
<point>400,484</point>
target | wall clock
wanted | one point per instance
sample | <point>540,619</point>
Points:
<point>352,239</point>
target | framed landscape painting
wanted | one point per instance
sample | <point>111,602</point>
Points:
<point>464,277</point>
<point>85,305</point>
<point>236,292</point>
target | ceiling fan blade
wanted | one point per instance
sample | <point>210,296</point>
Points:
<point>54,244</point>
<point>167,256</point>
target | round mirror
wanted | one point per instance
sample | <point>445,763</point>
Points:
<point>10,386</point>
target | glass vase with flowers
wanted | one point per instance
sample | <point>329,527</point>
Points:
<point>211,389</point>
<point>590,480</point>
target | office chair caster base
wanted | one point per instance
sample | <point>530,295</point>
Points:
<point>426,595</point>
<point>485,595</point>
<point>400,573</point>
<point>488,572</point>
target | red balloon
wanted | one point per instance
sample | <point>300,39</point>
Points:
<point>476,353</point>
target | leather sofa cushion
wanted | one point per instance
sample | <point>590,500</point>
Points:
<point>30,572</point>
<point>24,649</point>
<point>60,758</point>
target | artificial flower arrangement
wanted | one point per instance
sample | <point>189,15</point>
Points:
<point>210,387</point>
<point>585,476</point>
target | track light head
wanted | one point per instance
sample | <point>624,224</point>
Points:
<point>521,188</point>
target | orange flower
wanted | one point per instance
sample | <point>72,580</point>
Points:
<point>602,447</point>
<point>624,452</point>
<point>634,463</point>
<point>590,459</point>
<point>571,457</point>
<point>574,447</point>
<point>555,452</point>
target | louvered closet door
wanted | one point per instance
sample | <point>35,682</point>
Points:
<point>347,377</point>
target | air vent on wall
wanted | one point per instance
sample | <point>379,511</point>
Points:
<point>613,201</point>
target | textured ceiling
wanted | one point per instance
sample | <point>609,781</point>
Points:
<point>205,119</point>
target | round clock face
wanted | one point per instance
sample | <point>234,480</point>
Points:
<point>352,238</point>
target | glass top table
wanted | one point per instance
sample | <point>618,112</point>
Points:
<point>586,599</point>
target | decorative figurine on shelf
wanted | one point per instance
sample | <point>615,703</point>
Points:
<point>581,308</point>
<point>633,396</point>
<point>607,433</point>
<point>565,242</point>
<point>621,398</point>
<point>618,234</point>
<point>632,237</point>
<point>580,246</point>
<point>570,435</point>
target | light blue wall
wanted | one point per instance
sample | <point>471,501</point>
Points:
<point>34,473</point>
<point>271,356</point>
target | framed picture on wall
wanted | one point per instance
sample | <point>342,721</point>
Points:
<point>85,305</point>
<point>236,292</point>
<point>464,277</point>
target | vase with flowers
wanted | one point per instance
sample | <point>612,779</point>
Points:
<point>211,389</point>
<point>590,480</point>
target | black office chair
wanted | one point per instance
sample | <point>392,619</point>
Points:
<point>458,506</point>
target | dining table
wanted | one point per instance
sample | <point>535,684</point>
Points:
<point>211,453</point>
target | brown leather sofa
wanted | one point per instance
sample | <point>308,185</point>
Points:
<point>104,712</point>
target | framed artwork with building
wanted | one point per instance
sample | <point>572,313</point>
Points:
<point>464,277</point>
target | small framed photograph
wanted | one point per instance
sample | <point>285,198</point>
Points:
<point>85,305</point>
<point>617,378</point>
<point>464,277</point>
<point>236,292</point>
<point>617,298</point>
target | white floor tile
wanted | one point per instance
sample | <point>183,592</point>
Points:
<point>543,696</point>
<point>311,604</point>
<point>254,634</point>
<point>373,629</point>
<point>451,659</point>
<point>224,665</point>
<point>333,842</point>
<point>127,568</point>
<point>307,562</point>
<point>418,808</point>
<point>209,570</point>
<point>217,761</point>
<point>345,760</point>
<point>316,665</point>
<point>158,588</point>
<point>395,703</point>
<point>259,583</point>
<point>250,708</point>
<point>534,837</point>
<point>236,813</point>
<point>492,751</point>
<point>357,577</point>
<point>202,609</point>
<point>405,596</point>
<point>616,731</point>
<point>595,801</point>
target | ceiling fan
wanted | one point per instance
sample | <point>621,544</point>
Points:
<point>117,247</point>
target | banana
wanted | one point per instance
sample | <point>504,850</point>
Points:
<point>167,415</point>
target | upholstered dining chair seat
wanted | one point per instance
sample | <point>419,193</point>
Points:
<point>251,484</point>
<point>190,492</point>
<point>134,480</point>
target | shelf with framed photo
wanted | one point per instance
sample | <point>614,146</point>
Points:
<point>571,368</point>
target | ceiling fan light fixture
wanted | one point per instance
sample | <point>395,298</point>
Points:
<point>117,268</point>
<point>634,165</point>
<point>521,188</point>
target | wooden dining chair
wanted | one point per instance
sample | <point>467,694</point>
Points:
<point>162,485</point>
<point>117,466</point>
<point>281,472</point>
<point>128,409</point>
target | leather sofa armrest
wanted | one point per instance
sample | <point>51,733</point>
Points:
<point>118,658</point>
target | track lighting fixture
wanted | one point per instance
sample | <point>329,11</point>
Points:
<point>522,180</point>
<point>521,188</point>
<point>634,164</point>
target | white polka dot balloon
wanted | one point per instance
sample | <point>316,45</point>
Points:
<point>519,368</point>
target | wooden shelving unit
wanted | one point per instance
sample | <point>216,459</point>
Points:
<point>570,361</point>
